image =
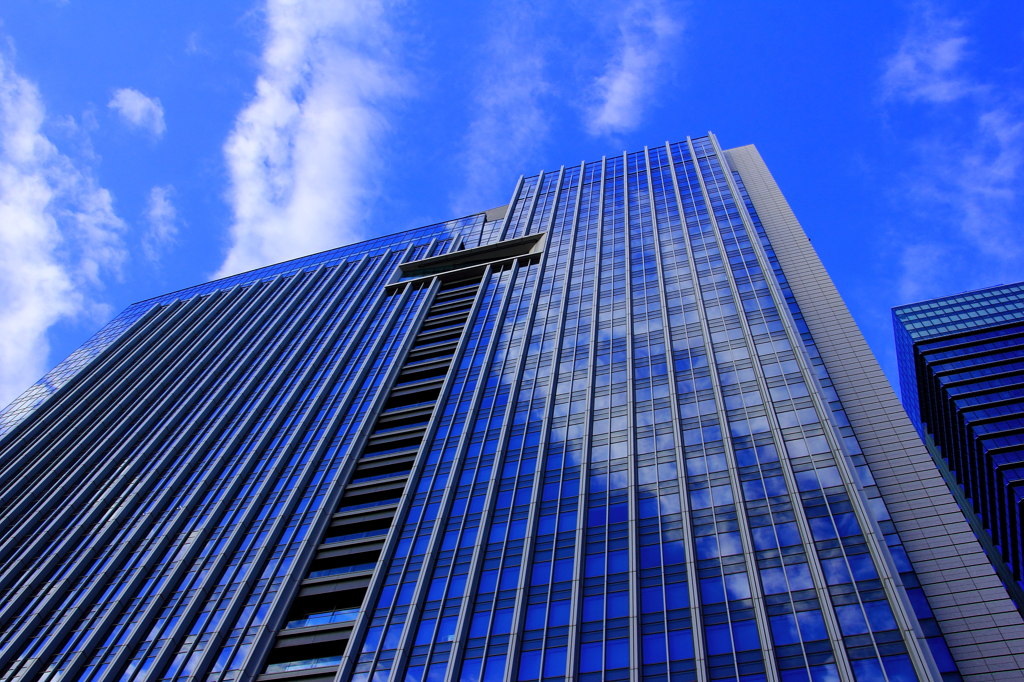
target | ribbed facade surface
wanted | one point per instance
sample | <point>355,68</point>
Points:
<point>592,436</point>
<point>962,368</point>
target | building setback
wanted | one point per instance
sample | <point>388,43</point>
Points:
<point>622,429</point>
<point>961,361</point>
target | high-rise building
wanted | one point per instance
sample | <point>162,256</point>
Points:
<point>622,429</point>
<point>961,363</point>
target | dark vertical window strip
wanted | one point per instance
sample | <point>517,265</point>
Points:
<point>36,395</point>
<point>164,487</point>
<point>262,462</point>
<point>439,456</point>
<point>54,478</point>
<point>862,483</point>
<point>652,426</point>
<point>632,224</point>
<point>336,305</point>
<point>64,436</point>
<point>380,591</point>
<point>519,195</point>
<point>196,366</point>
<point>23,447</point>
<point>488,473</point>
<point>350,400</point>
<point>302,506</point>
<point>535,398</point>
<point>87,530</point>
<point>488,590</point>
<point>856,478</point>
<point>95,453</point>
<point>303,502</point>
<point>522,209</point>
<point>686,653</point>
<point>465,536</point>
<point>595,225</point>
<point>239,372</point>
<point>144,328</point>
<point>475,559</point>
<point>438,554</point>
<point>546,589</point>
<point>727,640</point>
<point>606,557</point>
<point>747,424</point>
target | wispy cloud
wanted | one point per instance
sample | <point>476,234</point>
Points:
<point>138,110</point>
<point>510,122</point>
<point>302,153</point>
<point>530,74</point>
<point>161,222</point>
<point>970,159</point>
<point>58,234</point>
<point>927,66</point>
<point>647,34</point>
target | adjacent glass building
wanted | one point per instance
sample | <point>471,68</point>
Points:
<point>961,361</point>
<point>623,428</point>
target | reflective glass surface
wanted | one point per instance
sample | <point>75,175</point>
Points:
<point>637,466</point>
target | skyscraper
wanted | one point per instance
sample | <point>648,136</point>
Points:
<point>622,429</point>
<point>961,361</point>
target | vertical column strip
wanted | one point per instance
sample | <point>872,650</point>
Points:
<point>476,564</point>
<point>576,608</point>
<point>519,613</point>
<point>288,402</point>
<point>730,456</point>
<point>693,582</point>
<point>912,635</point>
<point>813,560</point>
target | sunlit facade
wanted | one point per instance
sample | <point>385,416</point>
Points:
<point>622,429</point>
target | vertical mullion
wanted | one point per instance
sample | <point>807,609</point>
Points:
<point>514,653</point>
<point>692,578</point>
<point>759,610</point>
<point>273,463</point>
<point>331,424</point>
<point>465,611</point>
<point>57,406</point>
<point>813,560</point>
<point>510,212</point>
<point>896,596</point>
<point>55,433</point>
<point>631,447</point>
<point>575,622</point>
<point>401,661</point>
<point>24,587</point>
<point>123,548</point>
<point>362,624</point>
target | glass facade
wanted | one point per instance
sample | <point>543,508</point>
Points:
<point>961,362</point>
<point>591,438</point>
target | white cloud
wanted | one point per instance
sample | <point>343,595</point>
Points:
<point>615,72</point>
<point>161,222</point>
<point>647,34</point>
<point>58,234</point>
<point>921,267</point>
<point>302,152</point>
<point>194,44</point>
<point>509,123</point>
<point>926,65</point>
<point>966,184</point>
<point>139,111</point>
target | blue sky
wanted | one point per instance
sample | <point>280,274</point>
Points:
<point>149,146</point>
